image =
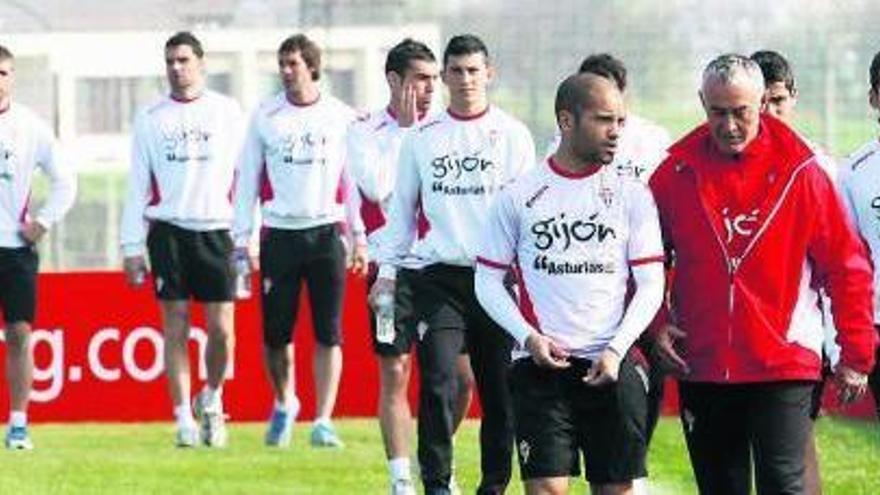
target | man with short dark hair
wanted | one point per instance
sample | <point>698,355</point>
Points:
<point>860,186</point>
<point>26,144</point>
<point>750,221</point>
<point>575,389</point>
<point>780,100</point>
<point>294,162</point>
<point>179,210</point>
<point>451,167</point>
<point>642,143</point>
<point>373,151</point>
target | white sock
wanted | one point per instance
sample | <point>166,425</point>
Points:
<point>290,405</point>
<point>183,416</point>
<point>213,396</point>
<point>17,418</point>
<point>640,486</point>
<point>398,468</point>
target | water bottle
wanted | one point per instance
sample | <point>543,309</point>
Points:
<point>242,276</point>
<point>385,318</point>
<point>140,277</point>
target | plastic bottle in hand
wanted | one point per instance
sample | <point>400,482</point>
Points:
<point>385,318</point>
<point>242,276</point>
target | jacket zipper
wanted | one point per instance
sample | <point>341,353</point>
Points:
<point>733,263</point>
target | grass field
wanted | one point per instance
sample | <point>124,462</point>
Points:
<point>139,459</point>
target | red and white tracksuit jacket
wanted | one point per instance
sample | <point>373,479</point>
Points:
<point>748,236</point>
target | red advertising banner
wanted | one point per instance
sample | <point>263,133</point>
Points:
<point>98,356</point>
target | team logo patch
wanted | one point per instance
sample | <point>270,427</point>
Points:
<point>267,285</point>
<point>524,450</point>
<point>160,282</point>
<point>422,329</point>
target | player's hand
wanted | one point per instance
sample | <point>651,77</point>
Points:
<point>32,232</point>
<point>604,370</point>
<point>135,268</point>
<point>545,352</point>
<point>382,286</point>
<point>851,384</point>
<point>665,349</point>
<point>359,264</point>
<point>241,253</point>
<point>409,113</point>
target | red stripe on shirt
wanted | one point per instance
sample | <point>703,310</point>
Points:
<point>526,308</point>
<point>492,264</point>
<point>22,218</point>
<point>266,191</point>
<point>155,194</point>
<point>647,260</point>
<point>423,225</point>
<point>371,214</point>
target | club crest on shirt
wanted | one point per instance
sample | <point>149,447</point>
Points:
<point>7,157</point>
<point>743,224</point>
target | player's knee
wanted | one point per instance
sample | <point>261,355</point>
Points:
<point>547,486</point>
<point>18,337</point>
<point>395,373</point>
<point>611,488</point>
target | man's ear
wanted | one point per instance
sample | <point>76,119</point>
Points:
<point>394,80</point>
<point>874,99</point>
<point>565,120</point>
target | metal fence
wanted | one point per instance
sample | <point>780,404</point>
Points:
<point>534,44</point>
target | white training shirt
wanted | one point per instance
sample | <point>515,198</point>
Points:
<point>374,143</point>
<point>574,240</point>
<point>641,148</point>
<point>26,143</point>
<point>859,179</point>
<point>294,162</point>
<point>182,166</point>
<point>452,167</point>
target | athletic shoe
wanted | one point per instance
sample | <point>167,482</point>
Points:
<point>324,435</point>
<point>187,436</point>
<point>17,438</point>
<point>212,419</point>
<point>403,487</point>
<point>280,427</point>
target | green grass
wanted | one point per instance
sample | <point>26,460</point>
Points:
<point>139,459</point>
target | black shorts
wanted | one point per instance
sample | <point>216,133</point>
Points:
<point>405,321</point>
<point>287,257</point>
<point>558,418</point>
<point>188,263</point>
<point>18,283</point>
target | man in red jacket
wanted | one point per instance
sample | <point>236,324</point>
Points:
<point>748,219</point>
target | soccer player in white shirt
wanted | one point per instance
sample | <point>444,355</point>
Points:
<point>294,161</point>
<point>451,167</point>
<point>179,209</point>
<point>373,150</point>
<point>575,231</point>
<point>860,185</point>
<point>26,144</point>
<point>642,143</point>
